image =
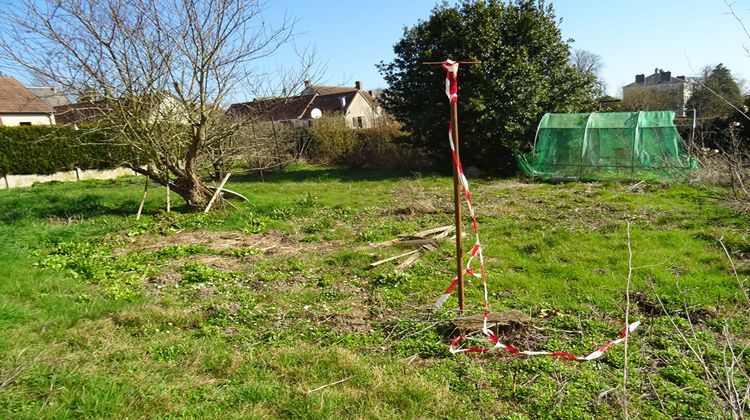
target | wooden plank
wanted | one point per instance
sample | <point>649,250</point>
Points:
<point>412,243</point>
<point>217,192</point>
<point>443,234</point>
<point>408,262</point>
<point>229,193</point>
<point>428,232</point>
<point>143,199</point>
<point>405,254</point>
<point>385,243</point>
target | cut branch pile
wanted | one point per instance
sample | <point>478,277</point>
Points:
<point>426,240</point>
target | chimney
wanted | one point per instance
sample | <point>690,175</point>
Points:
<point>358,85</point>
<point>656,70</point>
<point>308,83</point>
<point>370,93</point>
<point>666,76</point>
<point>640,78</point>
<point>343,102</point>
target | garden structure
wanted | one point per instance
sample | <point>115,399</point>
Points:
<point>607,145</point>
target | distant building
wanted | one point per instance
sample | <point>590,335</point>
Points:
<point>673,91</point>
<point>359,108</point>
<point>20,106</point>
<point>49,95</point>
<point>158,106</point>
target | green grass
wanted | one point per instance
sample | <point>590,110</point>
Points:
<point>238,313</point>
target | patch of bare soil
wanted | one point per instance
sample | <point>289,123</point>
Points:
<point>165,278</point>
<point>222,263</point>
<point>353,320</point>
<point>271,242</point>
<point>513,327</point>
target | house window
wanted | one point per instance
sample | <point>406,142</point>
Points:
<point>24,123</point>
<point>359,122</point>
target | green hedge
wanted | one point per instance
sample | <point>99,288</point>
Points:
<point>50,149</point>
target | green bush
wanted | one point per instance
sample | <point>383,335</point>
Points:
<point>381,147</point>
<point>331,140</point>
<point>49,149</point>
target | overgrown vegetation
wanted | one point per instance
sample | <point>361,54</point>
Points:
<point>242,313</point>
<point>384,146</point>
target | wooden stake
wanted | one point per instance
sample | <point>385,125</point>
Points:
<point>217,192</point>
<point>457,211</point>
<point>143,199</point>
<point>457,197</point>
<point>169,203</point>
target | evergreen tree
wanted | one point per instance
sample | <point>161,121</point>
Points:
<point>716,87</point>
<point>525,72</point>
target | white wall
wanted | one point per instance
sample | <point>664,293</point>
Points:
<point>361,108</point>
<point>20,181</point>
<point>35,119</point>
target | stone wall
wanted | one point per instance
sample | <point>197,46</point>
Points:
<point>20,181</point>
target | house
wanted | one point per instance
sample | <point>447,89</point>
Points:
<point>49,95</point>
<point>359,108</point>
<point>19,105</point>
<point>672,92</point>
<point>84,112</point>
<point>161,107</point>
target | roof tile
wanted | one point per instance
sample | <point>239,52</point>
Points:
<point>15,98</point>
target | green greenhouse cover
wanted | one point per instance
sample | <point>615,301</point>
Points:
<point>608,145</point>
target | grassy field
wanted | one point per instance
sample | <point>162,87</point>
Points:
<point>241,313</point>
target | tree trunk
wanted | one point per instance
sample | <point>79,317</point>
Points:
<point>195,194</point>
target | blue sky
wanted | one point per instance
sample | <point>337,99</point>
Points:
<point>632,36</point>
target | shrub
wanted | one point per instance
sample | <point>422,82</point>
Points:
<point>331,140</point>
<point>49,149</point>
<point>381,147</point>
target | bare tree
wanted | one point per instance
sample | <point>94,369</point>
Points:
<point>590,64</point>
<point>639,99</point>
<point>153,72</point>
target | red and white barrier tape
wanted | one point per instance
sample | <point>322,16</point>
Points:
<point>451,90</point>
<point>492,338</point>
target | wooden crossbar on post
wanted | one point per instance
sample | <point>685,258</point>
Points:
<point>457,195</point>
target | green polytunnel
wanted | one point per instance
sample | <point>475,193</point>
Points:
<point>608,145</point>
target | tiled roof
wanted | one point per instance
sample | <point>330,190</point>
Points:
<point>329,90</point>
<point>15,98</point>
<point>82,112</point>
<point>299,107</point>
<point>49,95</point>
<point>330,103</point>
<point>272,108</point>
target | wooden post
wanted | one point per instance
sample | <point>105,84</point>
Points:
<point>692,132</point>
<point>169,203</point>
<point>457,196</point>
<point>457,211</point>
<point>143,199</point>
<point>216,194</point>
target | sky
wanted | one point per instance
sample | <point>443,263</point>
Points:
<point>631,36</point>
